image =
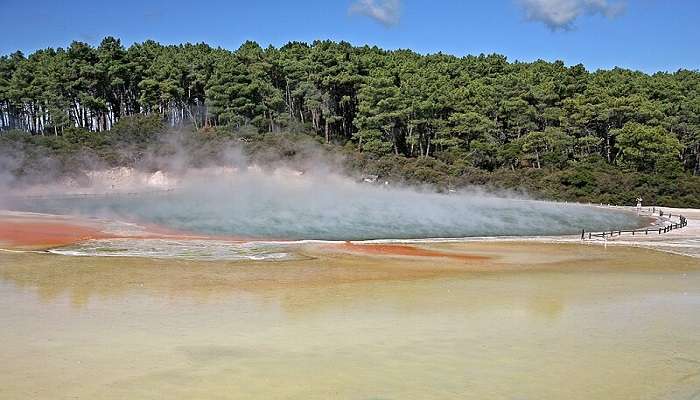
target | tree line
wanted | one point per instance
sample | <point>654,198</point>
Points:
<point>481,110</point>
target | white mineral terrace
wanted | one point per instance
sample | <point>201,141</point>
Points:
<point>684,241</point>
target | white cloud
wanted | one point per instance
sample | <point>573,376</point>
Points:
<point>386,12</point>
<point>561,14</point>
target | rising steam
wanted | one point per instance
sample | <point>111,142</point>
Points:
<point>218,190</point>
<point>286,204</point>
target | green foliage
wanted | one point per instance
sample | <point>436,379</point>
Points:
<point>136,129</point>
<point>551,147</point>
<point>558,131</point>
<point>645,148</point>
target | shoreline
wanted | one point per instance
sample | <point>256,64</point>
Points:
<point>127,327</point>
<point>39,232</point>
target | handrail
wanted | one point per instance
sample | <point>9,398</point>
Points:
<point>682,223</point>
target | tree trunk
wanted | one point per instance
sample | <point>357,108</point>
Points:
<point>272,123</point>
<point>420,144</point>
<point>607,145</point>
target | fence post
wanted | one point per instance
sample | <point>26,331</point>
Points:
<point>682,222</point>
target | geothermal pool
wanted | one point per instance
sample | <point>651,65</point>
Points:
<point>293,207</point>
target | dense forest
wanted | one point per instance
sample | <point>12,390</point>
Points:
<point>555,131</point>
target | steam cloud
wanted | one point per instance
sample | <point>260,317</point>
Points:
<point>561,14</point>
<point>284,203</point>
<point>386,12</point>
<point>226,193</point>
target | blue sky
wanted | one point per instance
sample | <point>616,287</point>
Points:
<point>649,35</point>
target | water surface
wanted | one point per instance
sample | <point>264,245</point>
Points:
<point>298,207</point>
<point>547,322</point>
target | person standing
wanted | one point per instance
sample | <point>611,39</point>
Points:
<point>639,204</point>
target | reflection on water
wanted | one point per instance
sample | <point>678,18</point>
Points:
<point>574,329</point>
<point>189,249</point>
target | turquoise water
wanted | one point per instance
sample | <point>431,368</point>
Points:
<point>309,209</point>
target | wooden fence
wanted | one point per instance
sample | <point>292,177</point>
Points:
<point>668,226</point>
